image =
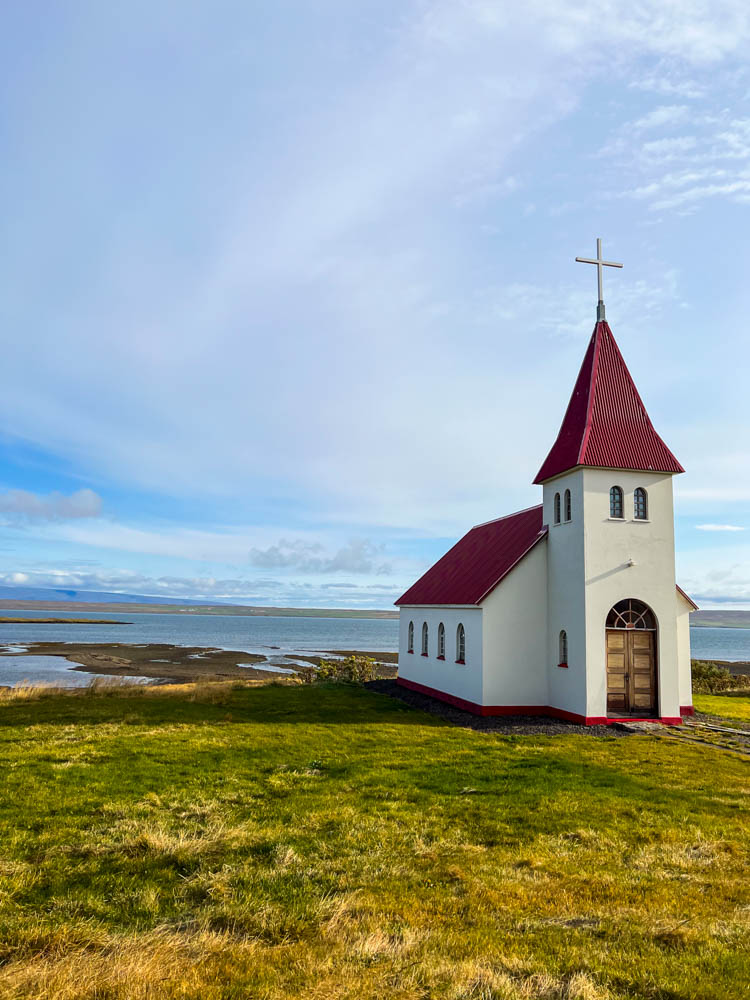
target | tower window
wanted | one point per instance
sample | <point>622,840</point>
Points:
<point>460,645</point>
<point>425,639</point>
<point>640,504</point>
<point>615,502</point>
<point>568,506</point>
<point>563,650</point>
<point>410,640</point>
<point>557,508</point>
<point>441,641</point>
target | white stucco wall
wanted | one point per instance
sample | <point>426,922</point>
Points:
<point>683,650</point>
<point>609,545</point>
<point>566,597</point>
<point>462,680</point>
<point>515,635</point>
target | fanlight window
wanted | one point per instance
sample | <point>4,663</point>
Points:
<point>425,639</point>
<point>410,646</point>
<point>563,647</point>
<point>615,502</point>
<point>568,506</point>
<point>631,614</point>
<point>460,644</point>
<point>557,508</point>
<point>441,641</point>
<point>640,503</point>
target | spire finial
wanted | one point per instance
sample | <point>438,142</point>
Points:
<point>599,265</point>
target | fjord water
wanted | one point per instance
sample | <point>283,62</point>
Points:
<point>269,636</point>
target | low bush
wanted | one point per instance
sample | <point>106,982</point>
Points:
<point>710,678</point>
<point>352,670</point>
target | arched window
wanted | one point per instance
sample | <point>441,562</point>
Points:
<point>631,614</point>
<point>557,508</point>
<point>410,641</point>
<point>615,502</point>
<point>563,651</point>
<point>568,506</point>
<point>460,645</point>
<point>441,641</point>
<point>425,638</point>
<point>640,504</point>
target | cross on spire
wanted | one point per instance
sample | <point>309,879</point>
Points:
<point>599,265</point>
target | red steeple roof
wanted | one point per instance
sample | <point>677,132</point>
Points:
<point>606,424</point>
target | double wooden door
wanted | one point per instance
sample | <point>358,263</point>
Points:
<point>631,672</point>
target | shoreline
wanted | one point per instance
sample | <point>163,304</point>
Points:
<point>187,664</point>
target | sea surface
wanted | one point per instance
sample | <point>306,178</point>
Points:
<point>265,635</point>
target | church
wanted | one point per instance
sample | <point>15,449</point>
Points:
<point>568,609</point>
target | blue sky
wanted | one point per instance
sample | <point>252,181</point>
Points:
<point>289,299</point>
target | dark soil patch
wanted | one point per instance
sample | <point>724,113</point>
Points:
<point>524,724</point>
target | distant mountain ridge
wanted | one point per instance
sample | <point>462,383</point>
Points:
<point>84,596</point>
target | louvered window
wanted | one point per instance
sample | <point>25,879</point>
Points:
<point>615,502</point>
<point>425,639</point>
<point>640,504</point>
<point>410,646</point>
<point>557,508</point>
<point>568,506</point>
<point>441,641</point>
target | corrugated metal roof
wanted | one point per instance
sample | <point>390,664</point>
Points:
<point>478,562</point>
<point>687,597</point>
<point>606,424</point>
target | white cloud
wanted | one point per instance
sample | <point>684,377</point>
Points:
<point>51,507</point>
<point>719,527</point>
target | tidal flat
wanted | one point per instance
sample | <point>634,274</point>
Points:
<point>180,664</point>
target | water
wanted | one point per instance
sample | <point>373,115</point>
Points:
<point>247,634</point>
<point>720,644</point>
<point>253,635</point>
<point>47,670</point>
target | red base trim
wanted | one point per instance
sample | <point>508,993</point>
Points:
<point>546,710</point>
<point>687,710</point>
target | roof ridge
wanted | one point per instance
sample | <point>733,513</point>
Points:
<point>494,520</point>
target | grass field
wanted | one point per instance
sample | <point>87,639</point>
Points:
<point>328,842</point>
<point>732,705</point>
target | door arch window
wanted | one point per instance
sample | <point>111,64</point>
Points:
<point>631,613</point>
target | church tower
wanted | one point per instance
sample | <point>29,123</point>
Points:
<point>612,602</point>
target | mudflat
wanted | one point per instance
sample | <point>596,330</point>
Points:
<point>166,661</point>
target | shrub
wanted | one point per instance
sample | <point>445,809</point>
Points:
<point>352,670</point>
<point>710,678</point>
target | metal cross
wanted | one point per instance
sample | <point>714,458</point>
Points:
<point>599,265</point>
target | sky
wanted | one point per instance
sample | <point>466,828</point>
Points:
<point>289,299</point>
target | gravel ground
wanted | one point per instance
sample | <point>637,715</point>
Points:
<point>526,724</point>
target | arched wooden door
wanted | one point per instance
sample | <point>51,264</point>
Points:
<point>631,660</point>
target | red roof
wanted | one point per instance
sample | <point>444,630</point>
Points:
<point>478,562</point>
<point>687,597</point>
<point>606,424</point>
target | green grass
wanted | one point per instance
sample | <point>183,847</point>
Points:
<point>328,842</point>
<point>733,705</point>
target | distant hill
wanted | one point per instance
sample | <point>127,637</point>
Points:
<point>721,619</point>
<point>84,596</point>
<point>44,599</point>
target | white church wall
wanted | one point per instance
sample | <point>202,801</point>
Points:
<point>566,598</point>
<point>461,680</point>
<point>515,635</point>
<point>683,651</point>
<point>609,547</point>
